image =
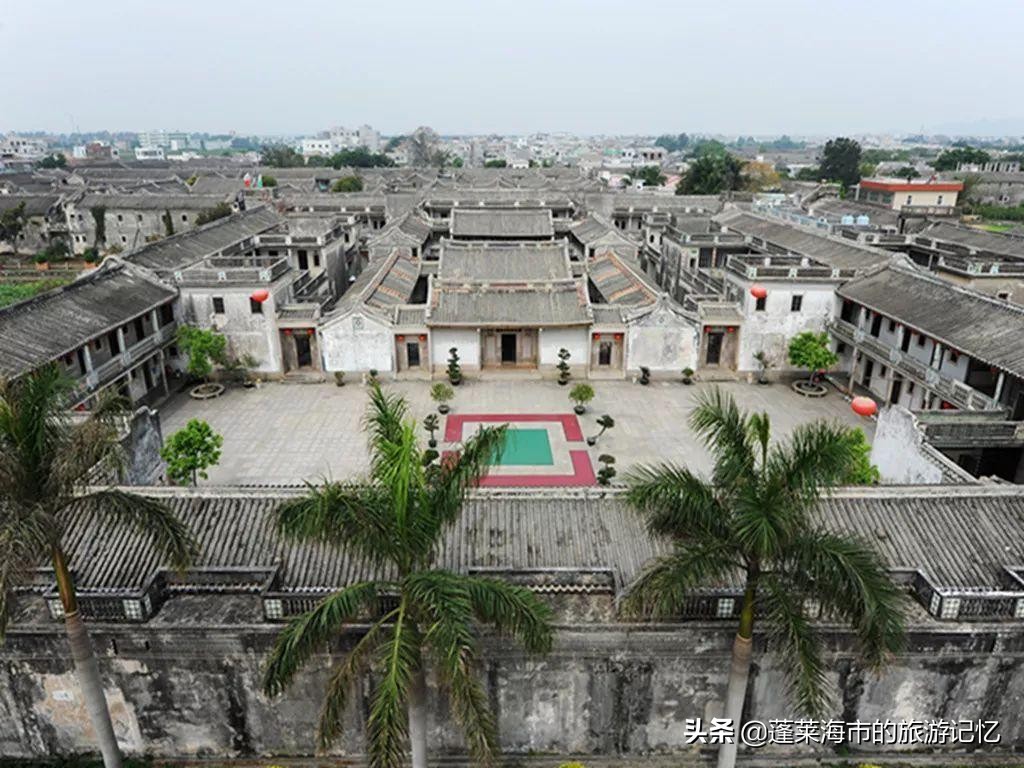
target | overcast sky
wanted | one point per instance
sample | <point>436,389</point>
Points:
<point>731,66</point>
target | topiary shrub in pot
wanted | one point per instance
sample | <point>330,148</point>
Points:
<point>581,394</point>
<point>441,393</point>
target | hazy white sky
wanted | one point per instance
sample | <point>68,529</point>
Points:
<point>291,66</point>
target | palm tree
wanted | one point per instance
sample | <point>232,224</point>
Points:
<point>395,520</point>
<point>754,519</point>
<point>47,461</point>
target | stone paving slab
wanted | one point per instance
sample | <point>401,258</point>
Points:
<point>287,433</point>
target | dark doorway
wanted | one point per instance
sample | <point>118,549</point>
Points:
<point>869,369</point>
<point>147,377</point>
<point>508,348</point>
<point>714,356</point>
<point>303,353</point>
<point>876,326</point>
<point>412,349</point>
<point>303,260</point>
<point>604,353</point>
<point>897,389</point>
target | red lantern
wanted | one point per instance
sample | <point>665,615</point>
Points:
<point>597,337</point>
<point>758,291</point>
<point>730,329</point>
<point>618,337</point>
<point>864,406</point>
<point>423,337</point>
<point>401,338</point>
<point>260,295</point>
<point>287,331</point>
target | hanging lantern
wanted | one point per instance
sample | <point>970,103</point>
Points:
<point>260,295</point>
<point>758,291</point>
<point>864,406</point>
<point>597,337</point>
<point>423,337</point>
<point>618,337</point>
<point>401,339</point>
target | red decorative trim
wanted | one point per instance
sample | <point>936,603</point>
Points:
<point>570,424</point>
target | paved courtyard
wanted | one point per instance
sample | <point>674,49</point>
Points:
<point>286,433</point>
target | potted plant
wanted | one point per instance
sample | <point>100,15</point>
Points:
<point>441,393</point>
<point>763,364</point>
<point>581,394</point>
<point>811,350</point>
<point>563,366</point>
<point>430,423</point>
<point>687,376</point>
<point>607,471</point>
<point>454,369</point>
<point>606,422</point>
<point>645,375</point>
<point>339,378</point>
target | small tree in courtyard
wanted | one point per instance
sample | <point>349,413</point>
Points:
<point>811,350</point>
<point>190,451</point>
<point>454,369</point>
<point>581,394</point>
<point>12,222</point>
<point>441,393</point>
<point>606,422</point>
<point>204,347</point>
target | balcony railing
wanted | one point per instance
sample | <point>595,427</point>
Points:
<point>946,387</point>
<point>118,365</point>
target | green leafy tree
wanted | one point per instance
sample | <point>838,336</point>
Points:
<point>673,143</point>
<point>348,184</point>
<point>862,472</point>
<point>650,175</point>
<point>57,160</point>
<point>495,163</point>
<point>280,156</point>
<point>840,161</point>
<point>204,347</point>
<point>812,351</point>
<point>711,174</point>
<point>755,517</point>
<point>454,369</point>
<point>581,394</point>
<point>396,519</point>
<point>360,157</point>
<point>12,222</point>
<point>268,180</point>
<point>190,451</point>
<point>47,464</point>
<point>219,211</point>
<point>907,172</point>
<point>951,158</point>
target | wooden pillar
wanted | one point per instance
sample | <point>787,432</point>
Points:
<point>163,372</point>
<point>853,368</point>
<point>1000,381</point>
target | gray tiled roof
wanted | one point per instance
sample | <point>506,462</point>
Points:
<point>617,284</point>
<point>958,536</point>
<point>504,223</point>
<point>992,242</point>
<point>836,253</point>
<point>985,328</point>
<point>47,326</point>
<point>152,202</point>
<point>189,247</point>
<point>505,262</point>
<point>553,304</point>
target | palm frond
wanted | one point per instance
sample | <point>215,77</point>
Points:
<point>384,417</point>
<point>24,541</point>
<point>726,432</point>
<point>675,501</point>
<point>443,596</point>
<point>815,456</point>
<point>456,477</point>
<point>662,589</point>
<point>305,634</point>
<point>849,578</point>
<point>344,679</point>
<point>150,518</point>
<point>358,516</point>
<point>511,609</point>
<point>797,646</point>
<point>388,724</point>
<point>91,444</point>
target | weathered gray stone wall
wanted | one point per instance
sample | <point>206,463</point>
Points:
<point>605,690</point>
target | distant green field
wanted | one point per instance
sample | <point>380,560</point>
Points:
<point>14,292</point>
